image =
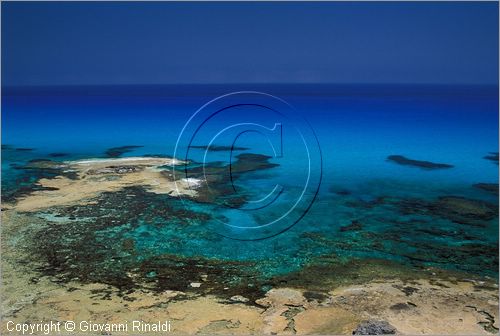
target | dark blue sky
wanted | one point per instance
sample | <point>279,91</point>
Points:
<point>150,42</point>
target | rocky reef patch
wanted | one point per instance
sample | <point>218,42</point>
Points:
<point>404,161</point>
<point>116,152</point>
<point>220,178</point>
<point>454,208</point>
<point>492,156</point>
<point>93,243</point>
<point>491,188</point>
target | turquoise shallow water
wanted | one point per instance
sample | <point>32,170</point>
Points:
<point>366,207</point>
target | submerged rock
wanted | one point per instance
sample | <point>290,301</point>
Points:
<point>373,327</point>
<point>27,181</point>
<point>457,209</point>
<point>367,204</point>
<point>488,187</point>
<point>157,155</point>
<point>115,152</point>
<point>251,162</point>
<point>58,154</point>
<point>342,192</point>
<point>43,164</point>
<point>492,156</point>
<point>219,187</point>
<point>462,209</point>
<point>465,207</point>
<point>354,226</point>
<point>470,257</point>
<point>215,148</point>
<point>402,160</point>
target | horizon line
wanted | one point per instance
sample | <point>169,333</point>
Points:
<point>3,86</point>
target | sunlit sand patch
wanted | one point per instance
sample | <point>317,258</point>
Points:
<point>107,175</point>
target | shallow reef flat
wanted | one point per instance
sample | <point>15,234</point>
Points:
<point>82,180</point>
<point>71,182</point>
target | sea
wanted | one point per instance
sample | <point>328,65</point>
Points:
<point>333,190</point>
